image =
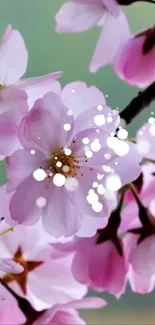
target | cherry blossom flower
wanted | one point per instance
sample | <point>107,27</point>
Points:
<point>77,16</point>
<point>66,314</point>
<point>17,96</point>
<point>30,246</point>
<point>62,161</point>
<point>136,60</point>
<point>102,266</point>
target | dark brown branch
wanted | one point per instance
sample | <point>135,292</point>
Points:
<point>138,104</point>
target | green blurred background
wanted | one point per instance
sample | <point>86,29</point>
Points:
<point>49,52</point>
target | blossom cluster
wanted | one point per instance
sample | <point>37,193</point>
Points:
<point>78,208</point>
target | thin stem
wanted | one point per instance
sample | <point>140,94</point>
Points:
<point>138,104</point>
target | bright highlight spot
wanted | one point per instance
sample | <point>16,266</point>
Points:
<point>92,198</point>
<point>65,169</point>
<point>99,119</point>
<point>121,148</point>
<point>41,202</point>
<point>101,189</point>
<point>32,152</point>
<point>69,113</point>
<point>100,107</point>
<point>113,182</point>
<point>67,152</point>
<point>59,164</point>
<point>89,154</point>
<point>85,140</point>
<point>71,184</point>
<point>59,180</point>
<point>109,119</point>
<point>151,120</point>
<point>95,146</point>
<point>39,175</point>
<point>97,207</point>
<point>67,127</point>
<point>122,134</point>
<point>143,146</point>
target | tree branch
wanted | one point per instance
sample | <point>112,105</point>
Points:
<point>138,104</point>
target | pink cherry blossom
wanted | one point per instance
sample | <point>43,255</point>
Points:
<point>66,314</point>
<point>77,16</point>
<point>136,60</point>
<point>10,266</point>
<point>17,96</point>
<point>58,165</point>
<point>31,246</point>
<point>99,265</point>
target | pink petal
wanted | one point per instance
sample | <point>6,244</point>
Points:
<point>75,17</point>
<point>114,34</point>
<point>141,257</point>
<point>22,164</point>
<point>112,6</point>
<point>60,219</point>
<point>131,161</point>
<point>10,266</point>
<point>87,303</point>
<point>13,99</point>
<point>107,269</point>
<point>23,206</point>
<point>90,119</point>
<point>94,224</point>
<point>43,124</point>
<point>9,141</point>
<point>39,86</point>
<point>77,97</point>
<point>13,57</point>
<point>139,283</point>
<point>4,206</point>
<point>146,133</point>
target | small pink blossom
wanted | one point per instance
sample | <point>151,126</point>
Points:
<point>99,265</point>
<point>136,60</point>
<point>77,16</point>
<point>62,158</point>
<point>30,246</point>
<point>66,314</point>
<point>16,95</point>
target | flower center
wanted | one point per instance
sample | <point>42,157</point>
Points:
<point>63,162</point>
